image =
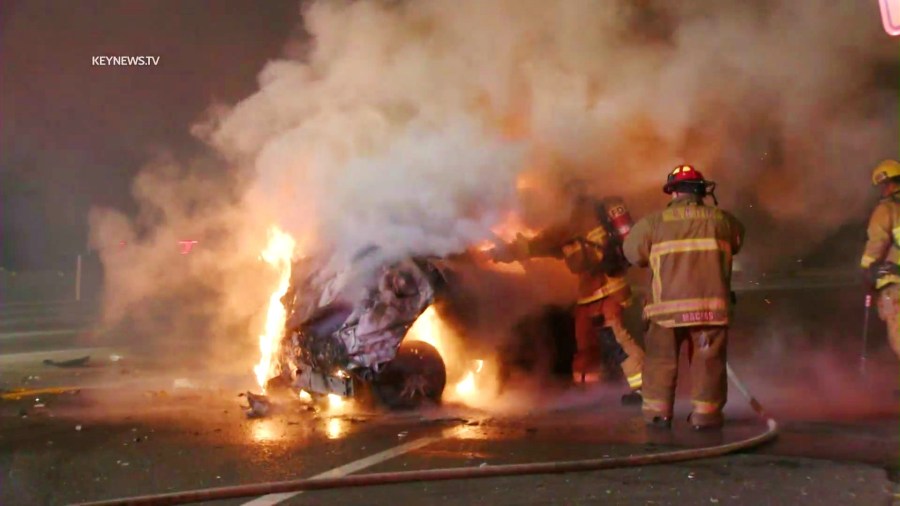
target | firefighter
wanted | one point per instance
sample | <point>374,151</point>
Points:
<point>590,245</point>
<point>882,253</point>
<point>688,247</point>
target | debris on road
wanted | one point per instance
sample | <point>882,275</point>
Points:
<point>258,405</point>
<point>75,362</point>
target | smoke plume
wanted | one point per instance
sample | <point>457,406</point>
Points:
<point>407,124</point>
<point>417,125</point>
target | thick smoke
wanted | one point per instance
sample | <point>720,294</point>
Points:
<point>194,309</point>
<point>409,125</point>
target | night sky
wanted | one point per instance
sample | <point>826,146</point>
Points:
<point>73,135</point>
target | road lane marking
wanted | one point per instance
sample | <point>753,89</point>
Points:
<point>42,333</point>
<point>352,467</point>
<point>38,303</point>
<point>18,394</point>
<point>30,320</point>
<point>39,356</point>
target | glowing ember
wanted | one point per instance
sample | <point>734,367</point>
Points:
<point>278,254</point>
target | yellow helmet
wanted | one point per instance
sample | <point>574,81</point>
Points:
<point>884,171</point>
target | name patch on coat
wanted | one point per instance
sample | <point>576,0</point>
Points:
<point>691,213</point>
<point>699,316</point>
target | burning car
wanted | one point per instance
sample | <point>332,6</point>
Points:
<point>345,330</point>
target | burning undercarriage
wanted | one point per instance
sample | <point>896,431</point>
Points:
<point>344,333</point>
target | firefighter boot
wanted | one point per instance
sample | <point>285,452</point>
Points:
<point>633,398</point>
<point>660,422</point>
<point>705,422</point>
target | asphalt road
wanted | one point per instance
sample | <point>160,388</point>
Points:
<point>127,430</point>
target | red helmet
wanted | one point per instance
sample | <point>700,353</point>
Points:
<point>686,174</point>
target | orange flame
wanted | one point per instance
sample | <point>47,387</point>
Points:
<point>474,387</point>
<point>278,254</point>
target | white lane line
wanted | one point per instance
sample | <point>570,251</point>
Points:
<point>352,467</point>
<point>38,356</point>
<point>30,320</point>
<point>38,303</point>
<point>42,333</point>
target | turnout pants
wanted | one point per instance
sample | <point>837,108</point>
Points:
<point>709,381</point>
<point>888,304</point>
<point>594,319</point>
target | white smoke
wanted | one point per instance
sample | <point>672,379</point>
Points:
<point>407,125</point>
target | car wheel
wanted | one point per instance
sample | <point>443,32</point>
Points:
<point>415,376</point>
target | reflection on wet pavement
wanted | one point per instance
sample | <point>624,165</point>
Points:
<point>265,431</point>
<point>335,428</point>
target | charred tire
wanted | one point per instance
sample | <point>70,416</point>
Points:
<point>415,376</point>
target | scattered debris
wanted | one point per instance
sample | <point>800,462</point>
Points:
<point>78,428</point>
<point>40,405</point>
<point>75,362</point>
<point>258,405</point>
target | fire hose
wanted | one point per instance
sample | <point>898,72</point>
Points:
<point>460,473</point>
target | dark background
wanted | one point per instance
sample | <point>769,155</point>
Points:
<point>73,135</point>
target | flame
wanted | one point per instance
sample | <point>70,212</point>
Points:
<point>474,388</point>
<point>511,227</point>
<point>469,385</point>
<point>278,254</point>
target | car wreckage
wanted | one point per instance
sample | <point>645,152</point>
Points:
<point>345,330</point>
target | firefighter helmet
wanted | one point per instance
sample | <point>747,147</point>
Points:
<point>886,170</point>
<point>687,177</point>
